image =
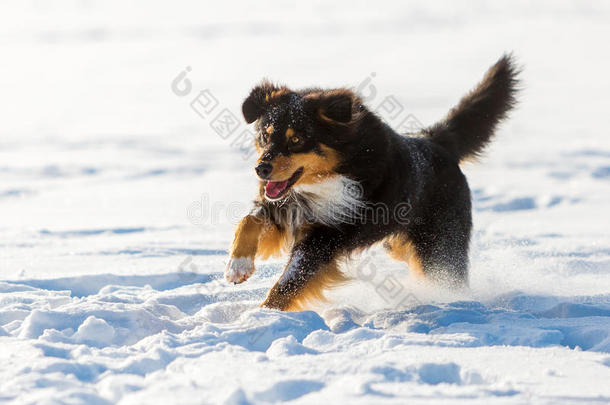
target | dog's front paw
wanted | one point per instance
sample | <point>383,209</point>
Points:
<point>239,269</point>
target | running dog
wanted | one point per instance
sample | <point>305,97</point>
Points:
<point>335,179</point>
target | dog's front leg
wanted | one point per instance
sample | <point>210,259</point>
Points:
<point>312,268</point>
<point>252,232</point>
<point>243,249</point>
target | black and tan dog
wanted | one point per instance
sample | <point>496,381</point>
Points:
<point>335,179</point>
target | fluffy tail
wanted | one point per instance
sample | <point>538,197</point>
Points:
<point>470,125</point>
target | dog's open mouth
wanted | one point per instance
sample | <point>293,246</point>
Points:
<point>274,190</point>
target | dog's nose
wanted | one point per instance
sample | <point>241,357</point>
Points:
<point>264,170</point>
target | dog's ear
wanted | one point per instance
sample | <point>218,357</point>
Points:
<point>334,106</point>
<point>255,105</point>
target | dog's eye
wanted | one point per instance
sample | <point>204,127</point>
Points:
<point>295,140</point>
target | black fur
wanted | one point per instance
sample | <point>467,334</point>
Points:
<point>420,172</point>
<point>469,126</point>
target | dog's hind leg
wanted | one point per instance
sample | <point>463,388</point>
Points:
<point>399,247</point>
<point>443,253</point>
<point>441,230</point>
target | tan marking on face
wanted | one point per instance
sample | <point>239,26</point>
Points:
<point>289,133</point>
<point>316,168</point>
<point>269,130</point>
<point>283,168</point>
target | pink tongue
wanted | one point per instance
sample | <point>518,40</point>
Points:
<point>274,188</point>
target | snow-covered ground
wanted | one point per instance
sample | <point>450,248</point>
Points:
<point>117,203</point>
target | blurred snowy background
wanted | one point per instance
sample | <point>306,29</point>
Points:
<point>117,203</point>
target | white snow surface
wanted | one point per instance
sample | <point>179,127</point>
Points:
<point>118,202</point>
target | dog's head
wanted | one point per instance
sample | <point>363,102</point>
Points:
<point>299,135</point>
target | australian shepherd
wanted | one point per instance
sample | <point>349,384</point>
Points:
<point>335,179</point>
